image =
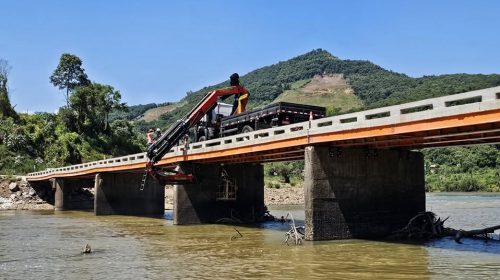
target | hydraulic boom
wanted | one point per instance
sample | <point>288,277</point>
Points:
<point>176,132</point>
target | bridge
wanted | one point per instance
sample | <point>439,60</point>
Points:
<point>364,175</point>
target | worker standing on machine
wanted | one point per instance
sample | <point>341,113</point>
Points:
<point>240,98</point>
<point>150,137</point>
<point>158,134</point>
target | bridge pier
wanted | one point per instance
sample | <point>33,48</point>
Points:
<point>64,198</point>
<point>359,193</point>
<point>120,194</point>
<point>212,197</point>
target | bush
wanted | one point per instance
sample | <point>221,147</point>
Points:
<point>486,180</point>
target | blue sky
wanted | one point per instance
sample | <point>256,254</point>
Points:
<point>156,51</point>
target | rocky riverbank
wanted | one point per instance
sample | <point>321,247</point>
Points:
<point>283,196</point>
<point>17,194</point>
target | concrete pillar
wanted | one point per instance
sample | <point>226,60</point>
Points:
<point>120,194</point>
<point>65,199</point>
<point>359,193</point>
<point>198,203</point>
<point>61,197</point>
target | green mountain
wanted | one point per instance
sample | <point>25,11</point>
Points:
<point>319,78</point>
<point>371,85</point>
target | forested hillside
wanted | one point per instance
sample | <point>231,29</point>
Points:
<point>372,84</point>
<point>448,169</point>
<point>80,131</point>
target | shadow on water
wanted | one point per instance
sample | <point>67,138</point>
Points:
<point>491,246</point>
<point>468,244</point>
<point>168,215</point>
<point>270,225</point>
<point>447,243</point>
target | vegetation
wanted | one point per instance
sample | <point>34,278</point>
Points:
<point>95,124</point>
<point>372,84</point>
<point>80,132</point>
<point>6,109</point>
<point>69,75</point>
<point>325,90</point>
<point>286,172</point>
<point>131,113</point>
<point>463,169</point>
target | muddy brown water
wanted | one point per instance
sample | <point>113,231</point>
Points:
<point>48,245</point>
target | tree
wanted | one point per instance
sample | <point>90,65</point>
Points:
<point>69,74</point>
<point>286,170</point>
<point>5,106</point>
<point>4,72</point>
<point>91,106</point>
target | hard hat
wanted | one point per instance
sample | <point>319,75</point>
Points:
<point>158,130</point>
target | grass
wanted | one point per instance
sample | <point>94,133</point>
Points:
<point>155,113</point>
<point>277,182</point>
<point>335,96</point>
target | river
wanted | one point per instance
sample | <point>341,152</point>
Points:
<point>47,245</point>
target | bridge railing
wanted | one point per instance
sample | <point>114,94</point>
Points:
<point>464,103</point>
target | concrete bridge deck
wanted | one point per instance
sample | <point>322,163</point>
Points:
<point>460,119</point>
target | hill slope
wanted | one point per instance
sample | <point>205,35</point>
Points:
<point>329,90</point>
<point>319,78</point>
<point>370,83</point>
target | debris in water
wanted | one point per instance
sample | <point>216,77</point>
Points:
<point>426,225</point>
<point>87,249</point>
<point>236,236</point>
<point>296,232</point>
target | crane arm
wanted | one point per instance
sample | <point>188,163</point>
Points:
<point>172,136</point>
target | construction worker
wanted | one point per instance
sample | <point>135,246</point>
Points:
<point>150,137</point>
<point>240,99</point>
<point>158,133</point>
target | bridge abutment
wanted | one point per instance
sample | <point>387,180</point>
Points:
<point>359,193</point>
<point>220,193</point>
<point>66,199</point>
<point>120,194</point>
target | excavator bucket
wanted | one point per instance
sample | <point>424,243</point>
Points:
<point>165,176</point>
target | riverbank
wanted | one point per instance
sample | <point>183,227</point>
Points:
<point>17,194</point>
<point>283,196</point>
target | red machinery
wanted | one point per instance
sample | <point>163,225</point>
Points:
<point>176,132</point>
